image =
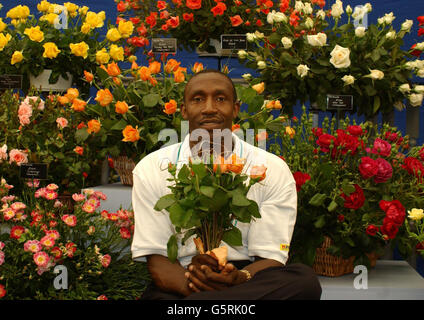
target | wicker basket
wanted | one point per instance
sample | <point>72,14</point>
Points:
<point>331,266</point>
<point>124,166</point>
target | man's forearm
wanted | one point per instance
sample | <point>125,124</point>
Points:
<point>262,264</point>
<point>168,276</point>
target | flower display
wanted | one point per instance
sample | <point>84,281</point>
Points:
<point>311,52</point>
<point>90,246</point>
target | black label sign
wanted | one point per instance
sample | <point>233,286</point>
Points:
<point>11,81</point>
<point>164,45</point>
<point>339,102</point>
<point>33,171</point>
<point>234,41</point>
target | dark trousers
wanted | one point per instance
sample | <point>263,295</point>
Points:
<point>294,281</point>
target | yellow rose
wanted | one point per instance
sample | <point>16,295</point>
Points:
<point>85,28</point>
<point>83,10</point>
<point>4,40</point>
<point>19,12</point>
<point>117,53</point>
<point>126,28</point>
<point>43,6</point>
<point>79,49</point>
<point>102,15</point>
<point>35,34</point>
<point>416,214</point>
<point>50,50</point>
<point>3,25</point>
<point>71,7</point>
<point>113,35</point>
<point>102,57</point>
<point>290,131</point>
<point>94,20</point>
<point>50,18</point>
<point>16,57</point>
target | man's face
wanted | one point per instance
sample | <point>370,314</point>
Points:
<point>209,103</point>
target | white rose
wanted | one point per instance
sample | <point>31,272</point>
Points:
<point>270,17</point>
<point>420,46</point>
<point>368,6</point>
<point>246,76</point>
<point>320,14</point>
<point>340,57</point>
<point>280,17</point>
<point>337,9</point>
<point>309,23</point>
<point>250,37</point>
<point>404,88</point>
<point>419,89</point>
<point>259,35</point>
<point>302,70</point>
<point>299,6</point>
<point>420,73</point>
<point>380,21</point>
<point>360,32</point>
<point>389,17</point>
<point>391,35</point>
<point>359,13</point>
<point>287,43</point>
<point>410,65</point>
<point>416,99</point>
<point>399,105</point>
<point>407,25</point>
<point>317,40</point>
<point>261,65</point>
<point>348,80</point>
<point>376,74</point>
<point>419,64</point>
<point>242,54</point>
<point>265,103</point>
<point>349,10</point>
<point>307,8</point>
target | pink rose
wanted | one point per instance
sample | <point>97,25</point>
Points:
<point>384,172</point>
<point>381,147</point>
<point>33,101</point>
<point>368,167</point>
<point>61,122</point>
<point>18,156</point>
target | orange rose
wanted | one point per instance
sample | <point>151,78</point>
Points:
<point>130,134</point>
<point>258,172</point>
<point>117,81</point>
<point>198,66</point>
<point>134,66</point>
<point>235,127</point>
<point>154,67</point>
<point>88,76</point>
<point>104,97</point>
<point>194,4</point>
<point>259,88</point>
<point>78,105</point>
<point>121,107</point>
<point>172,65</point>
<point>170,107</point>
<point>72,94</point>
<point>290,131</point>
<point>113,69</point>
<point>220,163</point>
<point>93,126</point>
<point>273,104</point>
<point>236,164</point>
<point>79,150</point>
<point>144,73</point>
<point>63,100</point>
<point>179,75</point>
<point>153,81</point>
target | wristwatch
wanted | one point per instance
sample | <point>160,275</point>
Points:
<point>247,273</point>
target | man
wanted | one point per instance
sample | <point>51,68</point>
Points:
<point>257,269</point>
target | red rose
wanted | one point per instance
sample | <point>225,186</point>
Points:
<point>317,132</point>
<point>384,172</point>
<point>259,23</point>
<point>355,200</point>
<point>368,167</point>
<point>151,20</point>
<point>189,17</point>
<point>122,6</point>
<point>395,211</point>
<point>355,130</point>
<point>413,166</point>
<point>284,5</point>
<point>340,218</point>
<point>389,229</point>
<point>161,5</point>
<point>173,22</point>
<point>219,9</point>
<point>421,20</point>
<point>421,153</point>
<point>345,142</point>
<point>236,21</point>
<point>300,179</point>
<point>372,230</point>
<point>415,52</point>
<point>325,140</point>
<point>381,147</point>
<point>194,4</point>
<point>420,246</point>
<point>420,32</point>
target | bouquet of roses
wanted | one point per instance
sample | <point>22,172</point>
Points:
<point>51,251</point>
<point>205,200</point>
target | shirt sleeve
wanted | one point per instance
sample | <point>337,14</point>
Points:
<point>152,228</point>
<point>269,236</point>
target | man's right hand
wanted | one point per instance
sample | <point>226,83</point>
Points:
<point>197,278</point>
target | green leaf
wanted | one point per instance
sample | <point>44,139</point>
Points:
<point>333,206</point>
<point>239,199</point>
<point>207,191</point>
<point>151,100</point>
<point>178,215</point>
<point>348,189</point>
<point>233,237</point>
<point>81,135</point>
<point>376,104</point>
<point>119,125</point>
<point>172,248</point>
<point>200,170</point>
<point>183,174</point>
<point>320,222</point>
<point>254,209</point>
<point>165,202</point>
<point>318,199</point>
<point>187,235</point>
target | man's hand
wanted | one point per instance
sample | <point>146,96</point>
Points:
<point>204,278</point>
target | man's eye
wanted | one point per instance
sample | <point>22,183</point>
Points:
<point>220,99</point>
<point>197,99</point>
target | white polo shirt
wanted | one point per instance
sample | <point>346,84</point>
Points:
<point>266,237</point>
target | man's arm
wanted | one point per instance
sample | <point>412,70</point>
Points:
<point>168,276</point>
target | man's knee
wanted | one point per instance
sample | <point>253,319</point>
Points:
<point>307,283</point>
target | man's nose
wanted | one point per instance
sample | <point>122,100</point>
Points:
<point>209,106</point>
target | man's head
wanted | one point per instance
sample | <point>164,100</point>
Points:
<point>210,101</point>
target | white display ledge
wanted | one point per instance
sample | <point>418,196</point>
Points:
<point>389,280</point>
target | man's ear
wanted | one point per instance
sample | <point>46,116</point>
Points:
<point>236,109</point>
<point>183,111</point>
